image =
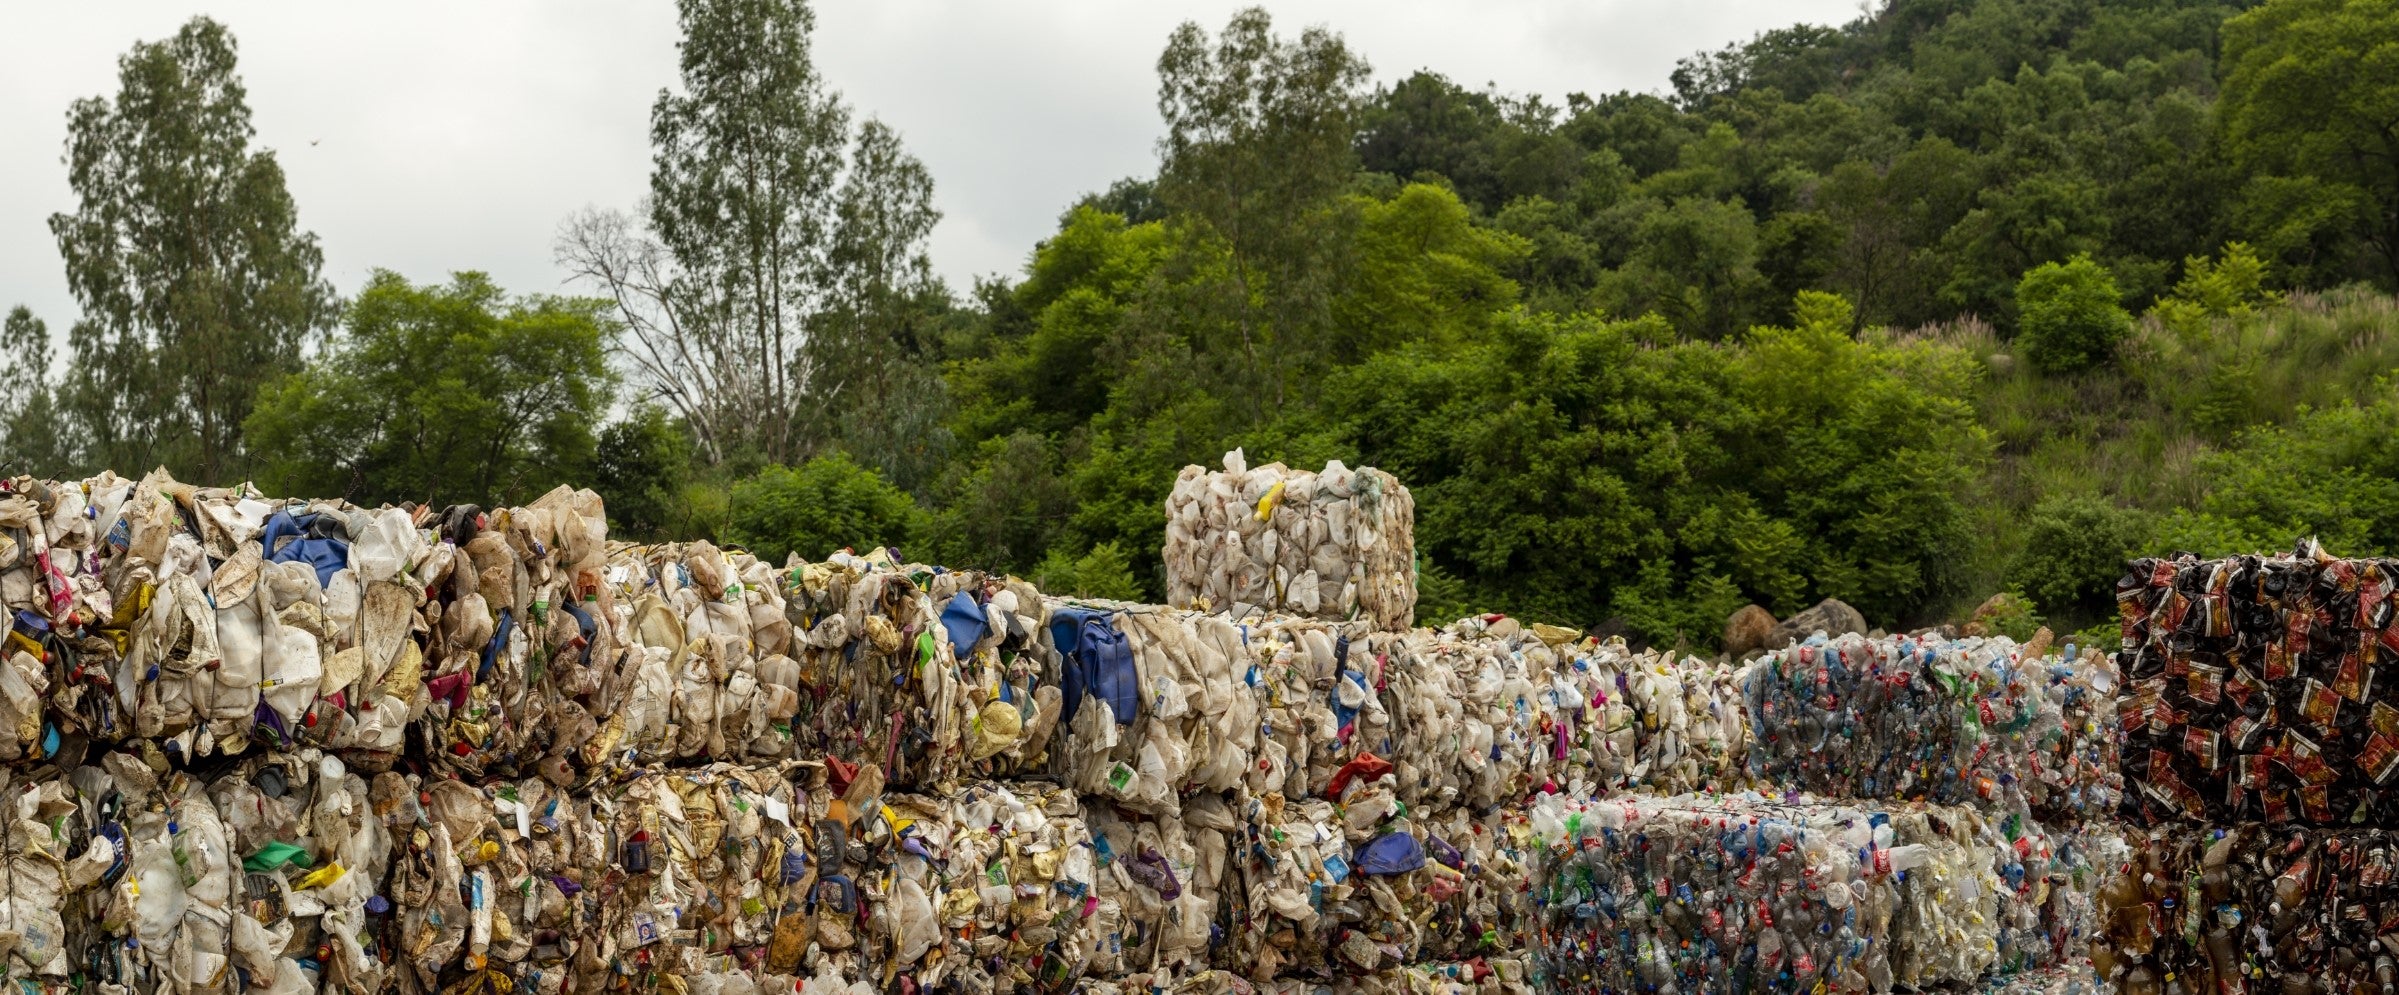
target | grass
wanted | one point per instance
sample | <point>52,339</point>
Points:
<point>2134,433</point>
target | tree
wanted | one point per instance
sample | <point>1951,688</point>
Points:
<point>30,433</point>
<point>2072,317</point>
<point>767,229</point>
<point>2074,548</point>
<point>2311,91</point>
<point>185,253</point>
<point>441,394</point>
<point>825,504</point>
<point>639,466</point>
<point>1258,146</point>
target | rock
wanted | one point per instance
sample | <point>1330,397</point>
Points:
<point>2038,645</point>
<point>1830,616</point>
<point>1980,623</point>
<point>1745,632</point>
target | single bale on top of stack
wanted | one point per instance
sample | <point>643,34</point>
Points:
<point>1338,544</point>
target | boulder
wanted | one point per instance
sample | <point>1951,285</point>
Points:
<point>1979,624</point>
<point>1746,630</point>
<point>2038,645</point>
<point>1830,616</point>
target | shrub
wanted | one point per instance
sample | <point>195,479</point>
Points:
<point>826,504</point>
<point>1104,572</point>
<point>2072,317</point>
<point>2074,549</point>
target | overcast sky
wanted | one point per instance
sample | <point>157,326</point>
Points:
<point>442,135</point>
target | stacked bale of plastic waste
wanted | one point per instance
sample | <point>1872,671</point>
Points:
<point>201,681</point>
<point>2251,690</point>
<point>1339,543</point>
<point>2249,908</point>
<point>1970,721</point>
<point>1746,893</point>
<point>2260,751</point>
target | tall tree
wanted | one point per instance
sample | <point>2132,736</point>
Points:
<point>30,435</point>
<point>1259,144</point>
<point>2311,93</point>
<point>186,255</point>
<point>441,393</point>
<point>750,249</point>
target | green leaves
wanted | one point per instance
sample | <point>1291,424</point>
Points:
<point>449,393</point>
<point>2311,88</point>
<point>196,284</point>
<point>826,504</point>
<point>2071,314</point>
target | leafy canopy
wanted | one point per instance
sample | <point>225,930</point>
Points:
<point>441,393</point>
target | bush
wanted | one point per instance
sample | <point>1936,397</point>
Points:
<point>826,504</point>
<point>639,469</point>
<point>2072,317</point>
<point>1103,573</point>
<point>2074,549</point>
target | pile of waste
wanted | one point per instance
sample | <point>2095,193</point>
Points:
<point>256,744</point>
<point>1741,893</point>
<point>2259,752</point>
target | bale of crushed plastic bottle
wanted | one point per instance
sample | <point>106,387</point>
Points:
<point>1338,543</point>
<point>123,873</point>
<point>214,621</point>
<point>1955,721</point>
<point>1740,893</point>
<point>2284,908</point>
<point>2251,690</point>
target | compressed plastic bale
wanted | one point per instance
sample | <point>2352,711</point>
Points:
<point>2250,690</point>
<point>2250,908</point>
<point>1736,893</point>
<point>1965,721</point>
<point>1335,544</point>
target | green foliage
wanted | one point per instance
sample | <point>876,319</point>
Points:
<point>639,467</point>
<point>776,291</point>
<point>2231,285</point>
<point>440,393</point>
<point>2016,617</point>
<point>1566,469</point>
<point>2074,549</point>
<point>1103,573</point>
<point>185,252</point>
<point>2311,88</point>
<point>2072,316</point>
<point>826,504</point>
<point>2331,473</point>
<point>30,431</point>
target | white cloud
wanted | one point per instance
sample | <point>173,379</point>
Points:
<point>445,134</point>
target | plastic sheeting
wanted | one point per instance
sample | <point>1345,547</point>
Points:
<point>1339,543</point>
<point>1964,721</point>
<point>2252,691</point>
<point>1742,893</point>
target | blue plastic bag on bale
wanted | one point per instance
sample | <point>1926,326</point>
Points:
<point>1391,853</point>
<point>965,622</point>
<point>1097,661</point>
<point>314,539</point>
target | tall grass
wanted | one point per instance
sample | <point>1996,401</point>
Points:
<point>2134,433</point>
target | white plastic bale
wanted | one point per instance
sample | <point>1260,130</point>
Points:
<point>1335,544</point>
